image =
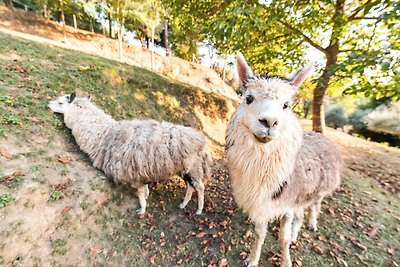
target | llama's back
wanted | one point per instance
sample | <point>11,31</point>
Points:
<point>138,152</point>
<point>317,170</point>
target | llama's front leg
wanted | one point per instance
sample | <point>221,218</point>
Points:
<point>314,211</point>
<point>285,234</point>
<point>147,191</point>
<point>261,231</point>
<point>296,225</point>
<point>188,195</point>
<point>142,199</point>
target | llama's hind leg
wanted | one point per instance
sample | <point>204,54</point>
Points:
<point>296,224</point>
<point>285,234</point>
<point>141,192</point>
<point>261,231</point>
<point>199,186</point>
<point>196,184</point>
<point>188,195</point>
<point>314,211</point>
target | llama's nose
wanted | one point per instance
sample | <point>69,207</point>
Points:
<point>268,121</point>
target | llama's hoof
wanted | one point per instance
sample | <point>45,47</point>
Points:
<point>182,206</point>
<point>313,228</point>
<point>140,211</point>
<point>250,263</point>
<point>198,212</point>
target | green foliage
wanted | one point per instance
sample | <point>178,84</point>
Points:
<point>2,132</point>
<point>5,199</point>
<point>335,116</point>
<point>56,195</point>
<point>10,119</point>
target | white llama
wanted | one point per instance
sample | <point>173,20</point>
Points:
<point>277,171</point>
<point>138,152</point>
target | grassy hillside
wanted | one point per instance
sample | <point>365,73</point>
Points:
<point>57,210</point>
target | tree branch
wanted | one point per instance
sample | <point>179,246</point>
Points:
<point>305,37</point>
<point>360,18</point>
<point>357,10</point>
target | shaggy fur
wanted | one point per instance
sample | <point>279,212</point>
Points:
<point>138,152</point>
<point>277,170</point>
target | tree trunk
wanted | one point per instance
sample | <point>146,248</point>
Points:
<point>8,4</point>
<point>120,43</point>
<point>152,49</point>
<point>45,11</point>
<point>110,25</point>
<point>166,45</point>
<point>318,119</point>
<point>91,24</point>
<point>75,23</point>
<point>63,20</point>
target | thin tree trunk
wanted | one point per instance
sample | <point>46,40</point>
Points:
<point>152,49</point>
<point>120,43</point>
<point>75,23</point>
<point>91,24</point>
<point>110,25</point>
<point>45,11</point>
<point>166,45</point>
<point>63,20</point>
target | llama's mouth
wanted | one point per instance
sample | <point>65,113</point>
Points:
<point>264,139</point>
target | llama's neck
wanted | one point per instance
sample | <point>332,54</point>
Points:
<point>266,164</point>
<point>89,125</point>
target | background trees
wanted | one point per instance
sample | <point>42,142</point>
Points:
<point>356,43</point>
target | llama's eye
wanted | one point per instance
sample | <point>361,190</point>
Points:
<point>249,99</point>
<point>286,105</point>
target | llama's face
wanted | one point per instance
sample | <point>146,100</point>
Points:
<point>60,105</point>
<point>265,106</point>
<point>265,110</point>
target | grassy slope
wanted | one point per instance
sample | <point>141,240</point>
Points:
<point>60,211</point>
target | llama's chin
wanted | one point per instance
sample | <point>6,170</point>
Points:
<point>263,139</point>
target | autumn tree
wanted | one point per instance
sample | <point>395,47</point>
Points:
<point>358,39</point>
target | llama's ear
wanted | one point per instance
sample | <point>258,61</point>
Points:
<point>298,78</point>
<point>72,97</point>
<point>244,71</point>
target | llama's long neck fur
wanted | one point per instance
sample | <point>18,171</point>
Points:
<point>89,125</point>
<point>259,169</point>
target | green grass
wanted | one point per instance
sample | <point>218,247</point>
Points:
<point>56,195</point>
<point>166,236</point>
<point>5,200</point>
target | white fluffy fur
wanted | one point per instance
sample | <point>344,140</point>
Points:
<point>138,152</point>
<point>277,170</point>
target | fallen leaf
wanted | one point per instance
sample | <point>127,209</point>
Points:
<point>5,154</point>
<point>371,232</point>
<point>64,159</point>
<point>95,250</point>
<point>200,235</point>
<point>222,248</point>
<point>179,262</point>
<point>223,262</point>
<point>390,251</point>
<point>153,258</point>
<point>317,249</point>
<point>247,234</point>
